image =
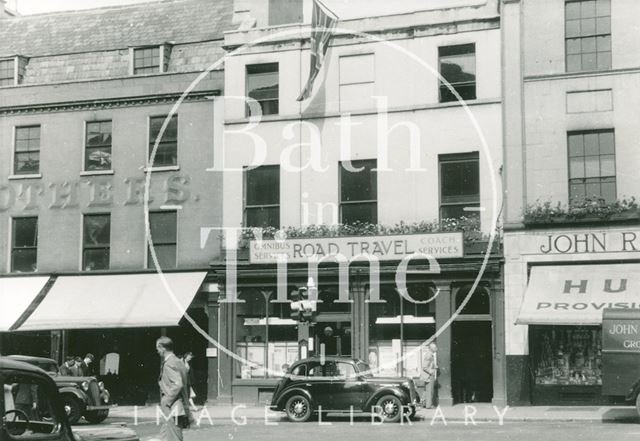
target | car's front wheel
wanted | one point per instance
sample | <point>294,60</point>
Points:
<point>298,409</point>
<point>389,408</point>
<point>96,416</point>
<point>638,404</point>
<point>73,407</point>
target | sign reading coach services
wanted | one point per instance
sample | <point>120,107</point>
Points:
<point>437,245</point>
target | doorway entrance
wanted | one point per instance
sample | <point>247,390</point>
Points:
<point>471,362</point>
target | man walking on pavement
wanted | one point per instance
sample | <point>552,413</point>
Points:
<point>430,374</point>
<point>174,392</point>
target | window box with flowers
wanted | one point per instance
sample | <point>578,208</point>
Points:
<point>588,211</point>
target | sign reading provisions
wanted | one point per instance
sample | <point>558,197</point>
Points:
<point>437,245</point>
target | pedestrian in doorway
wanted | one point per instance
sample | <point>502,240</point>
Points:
<point>186,359</point>
<point>429,375</point>
<point>68,367</point>
<point>85,365</point>
<point>77,367</point>
<point>174,392</point>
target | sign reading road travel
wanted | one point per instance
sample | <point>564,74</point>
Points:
<point>436,245</point>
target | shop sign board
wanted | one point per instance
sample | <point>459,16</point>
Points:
<point>381,248</point>
<point>583,242</point>
<point>620,350</point>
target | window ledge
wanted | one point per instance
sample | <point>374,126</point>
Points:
<point>162,169</point>
<point>26,176</point>
<point>96,172</point>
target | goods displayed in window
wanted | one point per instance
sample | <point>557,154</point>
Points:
<point>567,355</point>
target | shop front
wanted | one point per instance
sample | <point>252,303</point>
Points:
<point>115,317</point>
<point>363,313</point>
<point>555,319</point>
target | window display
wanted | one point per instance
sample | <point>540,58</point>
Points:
<point>567,355</point>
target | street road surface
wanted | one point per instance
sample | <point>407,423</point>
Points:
<point>362,430</point>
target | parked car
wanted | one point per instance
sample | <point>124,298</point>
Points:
<point>81,396</point>
<point>31,408</point>
<point>338,385</point>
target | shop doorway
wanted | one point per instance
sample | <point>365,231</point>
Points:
<point>335,336</point>
<point>472,347</point>
<point>471,362</point>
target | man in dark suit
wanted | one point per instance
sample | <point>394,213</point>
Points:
<point>174,391</point>
<point>84,370</point>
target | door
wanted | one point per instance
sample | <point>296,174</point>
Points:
<point>471,362</point>
<point>319,384</point>
<point>346,389</point>
<point>334,337</point>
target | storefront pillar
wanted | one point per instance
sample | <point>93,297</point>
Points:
<point>359,320</point>
<point>213,311</point>
<point>226,338</point>
<point>499,363</point>
<point>443,313</point>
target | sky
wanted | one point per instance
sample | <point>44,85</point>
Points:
<point>38,6</point>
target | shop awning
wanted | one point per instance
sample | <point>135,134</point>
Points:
<point>577,294</point>
<point>115,301</point>
<point>16,295</point>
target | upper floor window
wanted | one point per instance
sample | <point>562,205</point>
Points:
<point>167,151</point>
<point>27,150</point>
<point>147,60</point>
<point>98,146</point>
<point>24,244</point>
<point>163,227</point>
<point>458,66</point>
<point>588,35</point>
<point>359,192</point>
<point>96,242</point>
<point>592,165</point>
<point>459,185</point>
<point>262,196</point>
<point>357,82</point>
<point>263,86</point>
<point>7,73</point>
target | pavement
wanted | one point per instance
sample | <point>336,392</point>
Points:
<point>476,412</point>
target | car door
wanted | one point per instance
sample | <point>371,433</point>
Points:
<point>318,384</point>
<point>347,388</point>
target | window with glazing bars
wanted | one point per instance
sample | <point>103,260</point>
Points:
<point>459,186</point>
<point>262,196</point>
<point>164,234</point>
<point>27,150</point>
<point>167,151</point>
<point>24,244</point>
<point>592,166</point>
<point>588,35</point>
<point>7,73</point>
<point>146,60</point>
<point>359,192</point>
<point>98,146</point>
<point>458,66</point>
<point>96,242</point>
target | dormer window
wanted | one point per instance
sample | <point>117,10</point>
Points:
<point>150,59</point>
<point>7,72</point>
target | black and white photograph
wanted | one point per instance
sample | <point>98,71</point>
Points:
<point>329,220</point>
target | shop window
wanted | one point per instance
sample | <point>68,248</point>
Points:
<point>7,73</point>
<point>96,242</point>
<point>397,328</point>
<point>263,86</point>
<point>262,197</point>
<point>266,335</point>
<point>24,248</point>
<point>459,186</point>
<point>566,355</point>
<point>457,66</point>
<point>592,166</point>
<point>588,35</point>
<point>164,234</point>
<point>29,408</point>
<point>285,12</point>
<point>27,150</point>
<point>359,192</point>
<point>357,82</point>
<point>98,146</point>
<point>167,151</point>
<point>479,303</point>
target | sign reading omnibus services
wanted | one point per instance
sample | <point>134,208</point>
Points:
<point>382,248</point>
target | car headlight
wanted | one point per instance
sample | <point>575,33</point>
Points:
<point>100,385</point>
<point>85,385</point>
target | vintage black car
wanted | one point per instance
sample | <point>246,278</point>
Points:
<point>31,409</point>
<point>81,396</point>
<point>340,384</point>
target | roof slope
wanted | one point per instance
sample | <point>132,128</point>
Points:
<point>92,30</point>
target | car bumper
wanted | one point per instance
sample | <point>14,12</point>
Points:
<point>102,407</point>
